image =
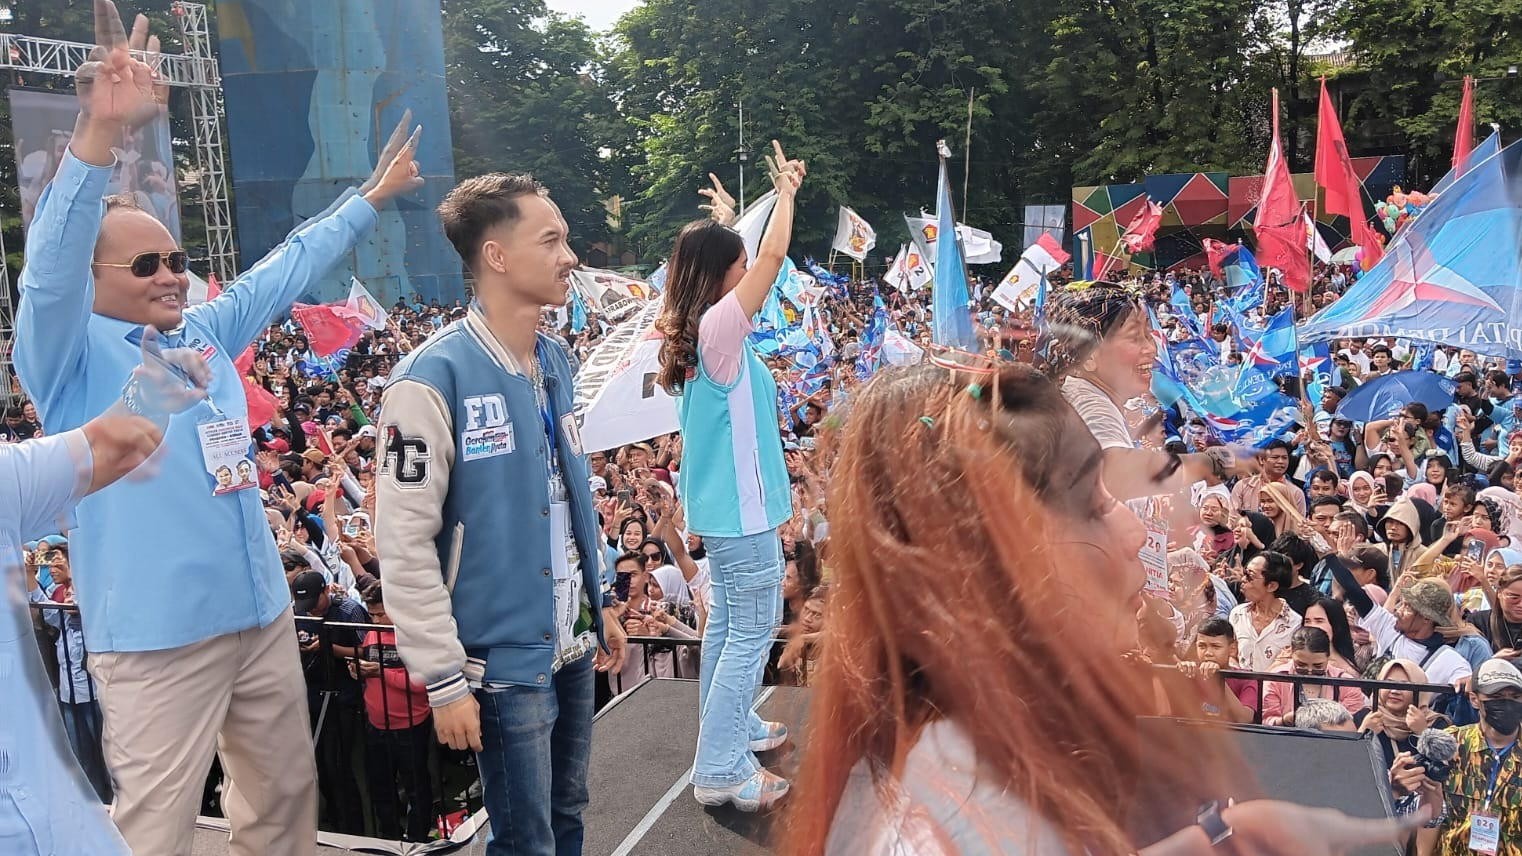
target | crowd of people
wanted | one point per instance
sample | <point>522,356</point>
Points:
<point>1006,520</point>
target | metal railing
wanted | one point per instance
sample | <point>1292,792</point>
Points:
<point>1368,686</point>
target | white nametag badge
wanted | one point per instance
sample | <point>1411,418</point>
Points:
<point>1484,833</point>
<point>572,434</point>
<point>224,450</point>
<point>486,442</point>
<point>559,522</point>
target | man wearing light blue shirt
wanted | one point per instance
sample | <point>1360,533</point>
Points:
<point>46,806</point>
<point>194,652</point>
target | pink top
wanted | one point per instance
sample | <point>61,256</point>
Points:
<point>1278,697</point>
<point>721,339</point>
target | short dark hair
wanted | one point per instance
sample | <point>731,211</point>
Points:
<point>1498,377</point>
<point>1278,568</point>
<point>1278,444</point>
<point>1339,391</point>
<point>1372,557</point>
<point>1381,349</point>
<point>1326,475</point>
<point>1416,410</point>
<point>1466,377</point>
<point>1327,500</point>
<point>372,595</point>
<point>1216,626</point>
<point>480,203</point>
<point>1359,523</point>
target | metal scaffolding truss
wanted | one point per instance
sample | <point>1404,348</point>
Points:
<point>195,70</point>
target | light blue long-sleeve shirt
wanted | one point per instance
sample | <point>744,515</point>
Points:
<point>46,806</point>
<point>159,562</point>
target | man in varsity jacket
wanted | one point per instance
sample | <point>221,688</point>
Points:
<point>493,554</point>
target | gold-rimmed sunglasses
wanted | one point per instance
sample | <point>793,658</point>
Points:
<point>144,265</point>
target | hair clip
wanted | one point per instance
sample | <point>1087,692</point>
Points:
<point>975,390</point>
<point>929,423</point>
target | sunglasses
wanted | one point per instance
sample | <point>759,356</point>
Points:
<point>1314,671</point>
<point>144,265</point>
<point>652,557</point>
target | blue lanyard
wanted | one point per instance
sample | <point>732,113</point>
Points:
<point>546,410</point>
<point>1495,771</point>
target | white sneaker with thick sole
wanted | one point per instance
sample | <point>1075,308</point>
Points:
<point>760,791</point>
<point>776,735</point>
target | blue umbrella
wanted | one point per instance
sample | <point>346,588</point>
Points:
<point>1383,397</point>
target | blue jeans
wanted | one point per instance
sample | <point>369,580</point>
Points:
<point>81,721</point>
<point>535,744</point>
<point>747,605</point>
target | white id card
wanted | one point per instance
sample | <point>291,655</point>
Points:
<point>1484,833</point>
<point>224,450</point>
<point>560,524</point>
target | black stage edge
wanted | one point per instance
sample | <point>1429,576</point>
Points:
<point>642,752</point>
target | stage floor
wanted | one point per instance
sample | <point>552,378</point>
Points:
<point>641,757</point>
<point>642,751</point>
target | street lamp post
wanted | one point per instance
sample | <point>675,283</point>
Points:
<point>743,155</point>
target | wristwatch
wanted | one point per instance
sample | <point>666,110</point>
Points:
<point>1209,819</point>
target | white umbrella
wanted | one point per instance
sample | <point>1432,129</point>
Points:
<point>1345,256</point>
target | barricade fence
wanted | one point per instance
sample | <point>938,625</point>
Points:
<point>381,772</point>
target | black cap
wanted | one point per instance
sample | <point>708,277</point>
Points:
<point>306,590</point>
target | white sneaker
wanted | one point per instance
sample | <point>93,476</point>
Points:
<point>762,790</point>
<point>776,735</point>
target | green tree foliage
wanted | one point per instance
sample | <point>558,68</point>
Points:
<point>525,96</point>
<point>1410,56</point>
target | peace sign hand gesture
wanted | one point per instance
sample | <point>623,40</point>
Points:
<point>116,89</point>
<point>721,206</point>
<point>787,175</point>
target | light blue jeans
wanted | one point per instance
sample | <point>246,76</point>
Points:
<point>747,606</point>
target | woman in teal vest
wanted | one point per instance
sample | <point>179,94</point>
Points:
<point>734,482</point>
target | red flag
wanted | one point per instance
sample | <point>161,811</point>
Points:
<point>1463,138</point>
<point>1139,235</point>
<point>1278,227</point>
<point>1216,252</point>
<point>328,328</point>
<point>1053,249</point>
<point>212,289</point>
<point>262,404</point>
<point>1335,174</point>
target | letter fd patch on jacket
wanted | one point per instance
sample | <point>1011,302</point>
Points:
<point>487,432</point>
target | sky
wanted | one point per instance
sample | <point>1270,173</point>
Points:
<point>599,14</point>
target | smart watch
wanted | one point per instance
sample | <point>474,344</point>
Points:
<point>1216,829</point>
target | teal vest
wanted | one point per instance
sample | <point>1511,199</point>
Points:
<point>734,481</point>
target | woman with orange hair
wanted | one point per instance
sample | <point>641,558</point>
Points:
<point>1005,722</point>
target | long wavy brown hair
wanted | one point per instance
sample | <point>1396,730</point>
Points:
<point>704,252</point>
<point>952,495</point>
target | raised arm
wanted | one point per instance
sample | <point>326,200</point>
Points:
<point>116,92</point>
<point>787,176</point>
<point>268,289</point>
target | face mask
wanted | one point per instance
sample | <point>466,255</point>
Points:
<point>1504,715</point>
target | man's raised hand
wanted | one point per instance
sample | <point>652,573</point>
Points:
<point>398,175</point>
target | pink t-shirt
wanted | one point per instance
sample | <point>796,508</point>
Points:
<point>721,339</point>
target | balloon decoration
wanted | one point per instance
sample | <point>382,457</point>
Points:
<point>1400,207</point>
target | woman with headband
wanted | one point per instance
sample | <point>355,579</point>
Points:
<point>1098,343</point>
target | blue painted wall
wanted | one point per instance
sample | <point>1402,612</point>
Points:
<point>312,90</point>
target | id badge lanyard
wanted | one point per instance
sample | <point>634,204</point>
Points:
<point>558,492</point>
<point>1495,772</point>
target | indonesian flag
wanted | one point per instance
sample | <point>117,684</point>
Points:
<point>1038,260</point>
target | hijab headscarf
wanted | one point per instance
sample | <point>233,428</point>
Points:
<point>1263,530</point>
<point>1511,523</point>
<point>1290,519</point>
<point>1358,478</point>
<point>673,586</point>
<point>1423,491</point>
<point>1396,730</point>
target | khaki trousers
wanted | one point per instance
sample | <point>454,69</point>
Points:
<point>165,713</point>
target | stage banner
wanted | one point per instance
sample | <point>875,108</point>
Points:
<point>42,123</point>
